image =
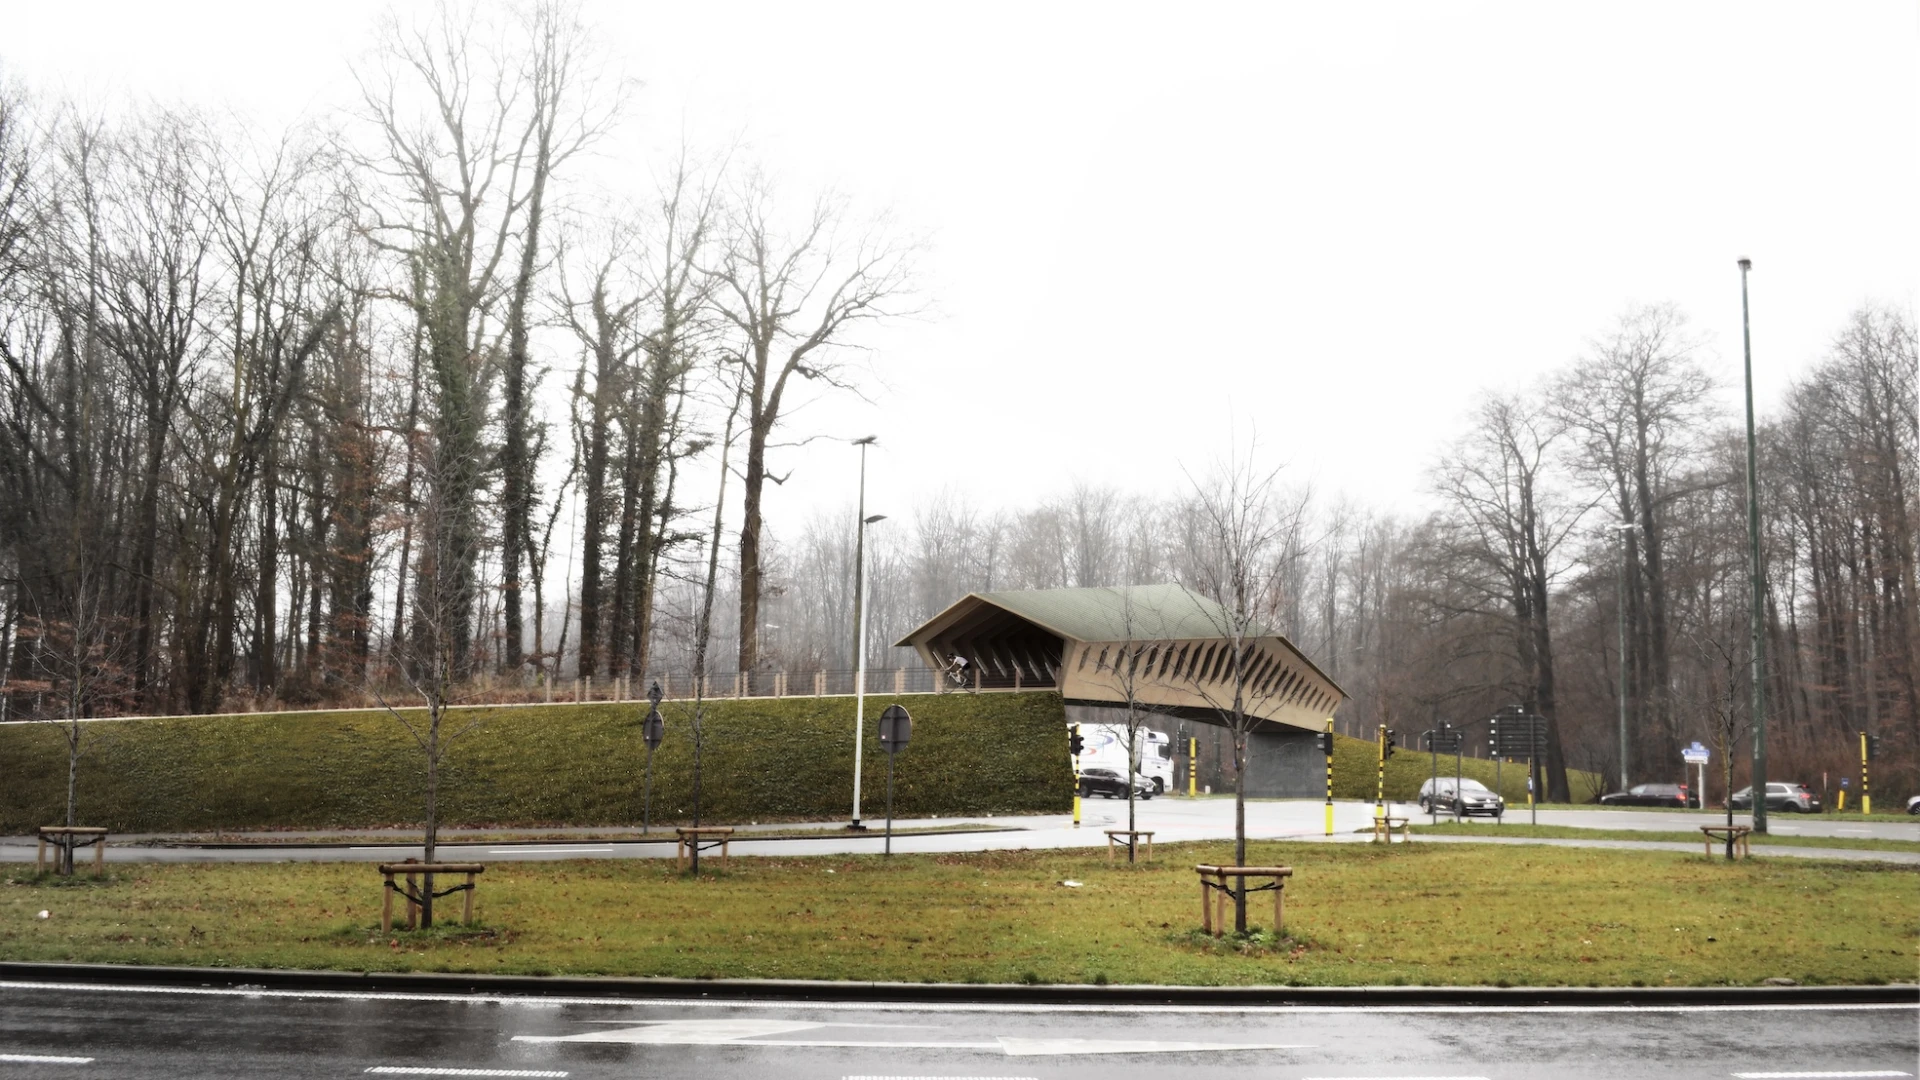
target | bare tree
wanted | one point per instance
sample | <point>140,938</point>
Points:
<point>1124,669</point>
<point>81,662</point>
<point>432,662</point>
<point>1504,525</point>
<point>793,299</point>
<point>1236,558</point>
<point>1638,407</point>
<point>445,105</point>
<point>556,71</point>
<point>703,625</point>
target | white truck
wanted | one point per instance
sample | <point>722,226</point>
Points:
<point>1105,746</point>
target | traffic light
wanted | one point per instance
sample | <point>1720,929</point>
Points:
<point>1074,742</point>
<point>1324,740</point>
<point>1390,745</point>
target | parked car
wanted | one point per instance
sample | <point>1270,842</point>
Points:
<point>1788,798</point>
<point>1913,805</point>
<point>1111,784</point>
<point>1474,797</point>
<point>1649,795</point>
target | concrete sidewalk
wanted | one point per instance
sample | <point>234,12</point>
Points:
<point>1172,820</point>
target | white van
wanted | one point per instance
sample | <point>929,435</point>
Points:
<point>1106,748</point>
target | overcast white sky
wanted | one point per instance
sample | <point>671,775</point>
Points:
<point>1155,225</point>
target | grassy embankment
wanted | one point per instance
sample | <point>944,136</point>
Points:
<point>1356,766</point>
<point>1512,830</point>
<point>1357,914</point>
<point>764,760</point>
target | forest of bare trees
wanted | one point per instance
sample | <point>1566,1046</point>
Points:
<point>309,416</point>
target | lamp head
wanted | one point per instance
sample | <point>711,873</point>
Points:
<point>874,518</point>
<point>867,440</point>
<point>1746,264</point>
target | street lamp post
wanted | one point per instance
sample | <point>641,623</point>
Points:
<point>1756,615</point>
<point>860,627</point>
<point>1625,529</point>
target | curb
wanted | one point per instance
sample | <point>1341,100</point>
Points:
<point>799,990</point>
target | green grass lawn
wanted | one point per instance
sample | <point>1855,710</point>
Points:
<point>1512,830</point>
<point>1357,914</point>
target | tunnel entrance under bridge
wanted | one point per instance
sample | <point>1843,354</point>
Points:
<point>1168,648</point>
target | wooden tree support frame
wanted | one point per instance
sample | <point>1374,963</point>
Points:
<point>1136,840</point>
<point>416,896</point>
<point>1718,835</point>
<point>705,838</point>
<point>1385,825</point>
<point>1214,890</point>
<point>63,839</point>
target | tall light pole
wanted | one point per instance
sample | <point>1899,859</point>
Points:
<point>1756,615</point>
<point>861,521</point>
<point>1625,529</point>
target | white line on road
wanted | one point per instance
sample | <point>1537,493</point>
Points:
<point>1394,1078</point>
<point>545,850</point>
<point>1857,832</point>
<point>1819,1075</point>
<point>425,1070</point>
<point>45,1059</point>
<point>939,1078</point>
<point>431,1071</point>
<point>883,1006</point>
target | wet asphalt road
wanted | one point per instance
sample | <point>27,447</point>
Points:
<point>128,1032</point>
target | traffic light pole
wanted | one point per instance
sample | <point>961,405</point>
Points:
<point>1329,776</point>
<point>1193,767</point>
<point>1533,804</point>
<point>1459,801</point>
<point>1073,744</point>
<point>1380,778</point>
<point>1433,785</point>
<point>1866,791</point>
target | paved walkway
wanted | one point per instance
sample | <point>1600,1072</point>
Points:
<point>1173,820</point>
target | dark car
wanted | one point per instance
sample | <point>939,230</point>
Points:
<point>1648,795</point>
<point>1474,798</point>
<point>1787,798</point>
<point>1109,783</point>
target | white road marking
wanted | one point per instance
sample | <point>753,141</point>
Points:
<point>427,1070</point>
<point>546,850</point>
<point>532,1002</point>
<point>1819,1075</point>
<point>939,1078</point>
<point>45,1059</point>
<point>682,1032</point>
<point>736,1032</point>
<point>1034,1047</point>
<point>1856,832</point>
<point>431,1071</point>
<point>1393,1078</point>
